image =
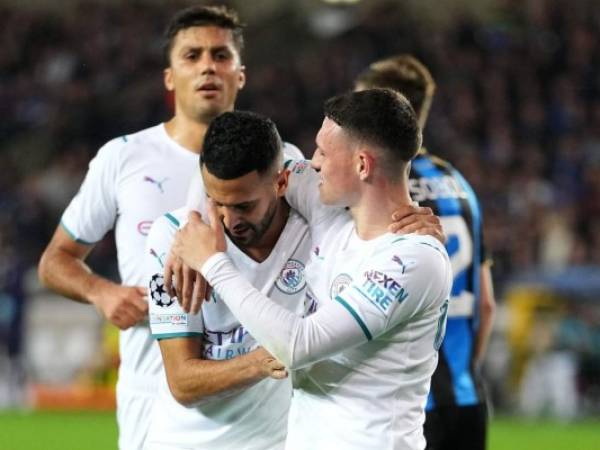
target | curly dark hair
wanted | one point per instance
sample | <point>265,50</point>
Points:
<point>239,142</point>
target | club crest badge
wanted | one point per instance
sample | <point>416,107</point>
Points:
<point>291,280</point>
<point>341,282</point>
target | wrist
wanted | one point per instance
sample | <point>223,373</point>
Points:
<point>257,366</point>
<point>210,263</point>
<point>96,287</point>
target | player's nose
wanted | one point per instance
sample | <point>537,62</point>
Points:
<point>230,218</point>
<point>207,64</point>
<point>315,162</point>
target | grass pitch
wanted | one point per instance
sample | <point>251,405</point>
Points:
<point>50,430</point>
<point>98,431</point>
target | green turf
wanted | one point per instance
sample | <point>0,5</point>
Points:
<point>517,434</point>
<point>57,431</point>
<point>98,431</point>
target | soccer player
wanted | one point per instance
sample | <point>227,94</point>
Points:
<point>368,352</point>
<point>456,414</point>
<point>133,180</point>
<point>219,391</point>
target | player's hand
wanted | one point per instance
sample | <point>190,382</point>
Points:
<point>124,306</point>
<point>188,286</point>
<point>268,365</point>
<point>197,241</point>
<point>417,219</point>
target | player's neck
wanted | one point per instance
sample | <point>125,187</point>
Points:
<point>261,250</point>
<point>372,214</point>
<point>186,132</point>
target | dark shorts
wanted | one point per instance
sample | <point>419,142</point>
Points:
<point>456,428</point>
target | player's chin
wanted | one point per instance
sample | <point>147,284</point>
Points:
<point>325,196</point>
<point>242,239</point>
<point>210,108</point>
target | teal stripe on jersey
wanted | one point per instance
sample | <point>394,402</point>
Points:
<point>351,310</point>
<point>172,219</point>
<point>432,246</point>
<point>72,235</point>
<point>124,137</point>
<point>160,337</point>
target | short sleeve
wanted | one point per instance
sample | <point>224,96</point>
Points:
<point>93,210</point>
<point>399,282</point>
<point>167,318</point>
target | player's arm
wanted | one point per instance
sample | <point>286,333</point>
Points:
<point>91,213</point>
<point>62,268</point>
<point>303,195</point>
<point>193,379</point>
<point>487,309</point>
<point>375,301</point>
<point>296,341</point>
<point>302,192</point>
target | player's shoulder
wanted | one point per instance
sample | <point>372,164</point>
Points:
<point>302,176</point>
<point>414,261</point>
<point>142,136</point>
<point>127,142</point>
<point>165,226</point>
<point>298,166</point>
<point>176,218</point>
<point>414,248</point>
<point>290,151</point>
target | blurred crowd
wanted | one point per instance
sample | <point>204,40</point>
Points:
<point>517,108</point>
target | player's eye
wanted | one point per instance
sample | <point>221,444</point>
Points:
<point>191,56</point>
<point>244,207</point>
<point>222,55</point>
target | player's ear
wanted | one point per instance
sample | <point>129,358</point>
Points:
<point>281,182</point>
<point>168,79</point>
<point>242,77</point>
<point>365,164</point>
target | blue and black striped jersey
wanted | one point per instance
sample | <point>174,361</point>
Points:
<point>438,185</point>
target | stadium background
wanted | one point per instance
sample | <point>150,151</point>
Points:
<point>517,111</point>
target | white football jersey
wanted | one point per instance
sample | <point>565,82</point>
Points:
<point>130,182</point>
<point>256,417</point>
<point>367,354</point>
<point>372,395</point>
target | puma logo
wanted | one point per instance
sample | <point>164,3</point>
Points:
<point>159,184</point>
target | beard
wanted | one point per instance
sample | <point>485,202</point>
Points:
<point>255,232</point>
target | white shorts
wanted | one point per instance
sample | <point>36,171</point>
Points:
<point>134,411</point>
